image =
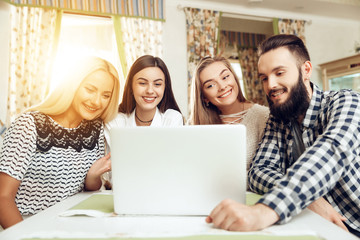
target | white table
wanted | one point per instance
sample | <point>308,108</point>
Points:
<point>48,223</point>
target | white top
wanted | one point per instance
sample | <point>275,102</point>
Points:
<point>255,121</point>
<point>170,118</point>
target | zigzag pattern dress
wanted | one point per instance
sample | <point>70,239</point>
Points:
<point>50,161</point>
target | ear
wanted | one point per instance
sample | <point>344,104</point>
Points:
<point>206,101</point>
<point>307,70</point>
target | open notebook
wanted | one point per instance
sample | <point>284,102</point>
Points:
<point>177,171</point>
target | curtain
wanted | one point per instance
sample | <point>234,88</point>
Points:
<point>253,87</point>
<point>140,8</point>
<point>202,36</point>
<point>291,26</point>
<point>243,46</point>
<point>31,48</point>
<point>137,37</point>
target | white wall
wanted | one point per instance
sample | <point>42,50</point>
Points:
<point>174,39</point>
<point>326,38</point>
<point>330,39</point>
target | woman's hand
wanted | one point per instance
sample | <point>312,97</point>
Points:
<point>93,177</point>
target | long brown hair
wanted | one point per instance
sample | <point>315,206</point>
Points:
<point>200,113</point>
<point>128,102</point>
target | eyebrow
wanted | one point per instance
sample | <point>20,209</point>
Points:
<point>273,70</point>
<point>144,79</point>
<point>209,80</point>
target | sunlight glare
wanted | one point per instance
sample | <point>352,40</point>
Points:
<point>83,36</point>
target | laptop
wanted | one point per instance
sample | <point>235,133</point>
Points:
<point>183,171</point>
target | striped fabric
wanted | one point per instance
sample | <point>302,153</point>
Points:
<point>244,39</point>
<point>153,9</point>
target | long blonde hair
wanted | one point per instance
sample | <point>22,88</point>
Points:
<point>60,99</point>
<point>200,113</point>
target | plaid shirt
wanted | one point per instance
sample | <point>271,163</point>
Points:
<point>329,167</point>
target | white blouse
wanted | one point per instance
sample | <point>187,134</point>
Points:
<point>170,118</point>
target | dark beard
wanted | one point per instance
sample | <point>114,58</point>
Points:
<point>296,105</point>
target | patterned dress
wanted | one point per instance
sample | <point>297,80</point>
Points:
<point>50,161</point>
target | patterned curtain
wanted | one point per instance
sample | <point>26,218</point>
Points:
<point>140,36</point>
<point>243,46</point>
<point>253,87</point>
<point>31,47</point>
<point>291,26</point>
<point>202,35</point>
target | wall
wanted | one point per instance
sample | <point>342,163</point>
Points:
<point>237,24</point>
<point>330,39</point>
<point>174,39</point>
<point>4,57</point>
<point>327,38</point>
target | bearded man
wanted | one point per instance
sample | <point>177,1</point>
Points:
<point>310,153</point>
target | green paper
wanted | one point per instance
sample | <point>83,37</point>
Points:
<point>252,198</point>
<point>100,202</point>
<point>104,202</point>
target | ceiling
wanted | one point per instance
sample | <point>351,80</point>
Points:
<point>343,9</point>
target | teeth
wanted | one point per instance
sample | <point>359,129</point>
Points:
<point>90,108</point>
<point>226,94</point>
<point>278,93</point>
<point>149,99</point>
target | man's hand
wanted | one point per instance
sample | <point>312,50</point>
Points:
<point>234,216</point>
<point>324,209</point>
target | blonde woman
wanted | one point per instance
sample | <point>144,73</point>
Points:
<point>56,149</point>
<point>216,98</point>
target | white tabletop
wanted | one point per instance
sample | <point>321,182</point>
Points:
<point>48,223</point>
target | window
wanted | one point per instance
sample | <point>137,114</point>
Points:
<point>237,68</point>
<point>83,36</point>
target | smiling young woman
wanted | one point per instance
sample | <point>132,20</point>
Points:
<point>148,98</point>
<point>56,149</point>
<point>216,98</point>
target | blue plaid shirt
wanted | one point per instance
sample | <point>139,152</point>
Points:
<point>329,167</point>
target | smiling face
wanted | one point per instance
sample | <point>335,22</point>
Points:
<point>288,93</point>
<point>279,73</point>
<point>148,88</point>
<point>219,86</point>
<point>93,96</point>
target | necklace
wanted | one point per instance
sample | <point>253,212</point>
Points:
<point>142,120</point>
